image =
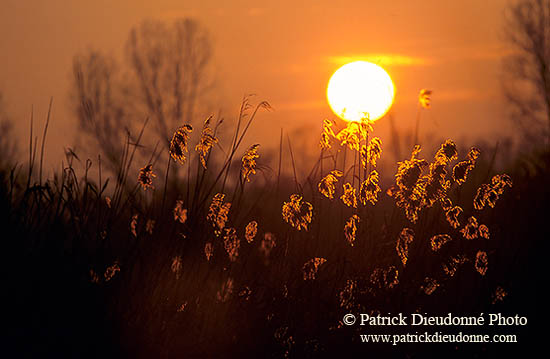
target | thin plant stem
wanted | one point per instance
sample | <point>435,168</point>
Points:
<point>44,140</point>
<point>417,126</point>
<point>293,164</point>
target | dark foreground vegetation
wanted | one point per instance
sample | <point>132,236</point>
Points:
<point>144,266</point>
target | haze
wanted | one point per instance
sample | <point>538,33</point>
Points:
<point>283,51</point>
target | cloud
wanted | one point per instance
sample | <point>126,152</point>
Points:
<point>382,59</point>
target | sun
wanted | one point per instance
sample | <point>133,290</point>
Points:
<point>360,89</point>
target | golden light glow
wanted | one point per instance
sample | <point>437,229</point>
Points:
<point>360,89</point>
<point>382,59</point>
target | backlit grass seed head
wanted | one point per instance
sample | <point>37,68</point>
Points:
<point>363,155</point>
<point>373,152</point>
<point>461,169</point>
<point>409,193</point>
<point>111,271</point>
<point>249,162</point>
<point>377,278</point>
<point>365,126</point>
<point>310,268</point>
<point>250,231</point>
<point>471,229</point>
<point>499,182</point>
<point>350,229</point>
<point>218,212</point>
<point>473,155</point>
<point>488,194</point>
<point>410,201</point>
<point>182,307</point>
<point>94,278</point>
<point>178,145</point>
<point>480,198</point>
<point>226,291</point>
<point>285,340</point>
<point>327,185</point>
<point>402,246</point>
<point>412,208</point>
<point>180,213</point>
<point>453,264</point>
<point>347,296</point>
<point>392,191</point>
<point>324,143</point>
<point>176,266</point>
<point>424,98</point>
<point>145,177</point>
<point>231,243</point>
<point>499,295</point>
<point>385,278</point>
<point>149,226</point>
<point>482,262</point>
<point>245,293</point>
<point>491,197</point>
<point>206,142</point>
<point>281,333</point>
<point>447,152</point>
<point>452,216</point>
<point>446,203</point>
<point>297,213</point>
<point>349,197</point>
<point>438,168</point>
<point>391,277</point>
<point>369,189</point>
<point>439,240</point>
<point>133,225</point>
<point>208,250</point>
<point>351,136</point>
<point>350,139</point>
<point>429,286</point>
<point>326,135</point>
<point>483,231</point>
<point>268,243</point>
<point>434,186</point>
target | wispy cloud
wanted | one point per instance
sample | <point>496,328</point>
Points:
<point>382,59</point>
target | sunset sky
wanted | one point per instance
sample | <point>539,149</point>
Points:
<point>283,51</point>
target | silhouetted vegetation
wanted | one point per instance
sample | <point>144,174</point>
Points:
<point>231,263</point>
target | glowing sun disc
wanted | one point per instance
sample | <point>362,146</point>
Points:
<point>358,89</point>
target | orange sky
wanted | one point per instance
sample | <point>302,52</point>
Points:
<point>284,51</point>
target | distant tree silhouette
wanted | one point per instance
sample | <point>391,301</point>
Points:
<point>169,64</point>
<point>99,105</point>
<point>164,75</point>
<point>527,69</point>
